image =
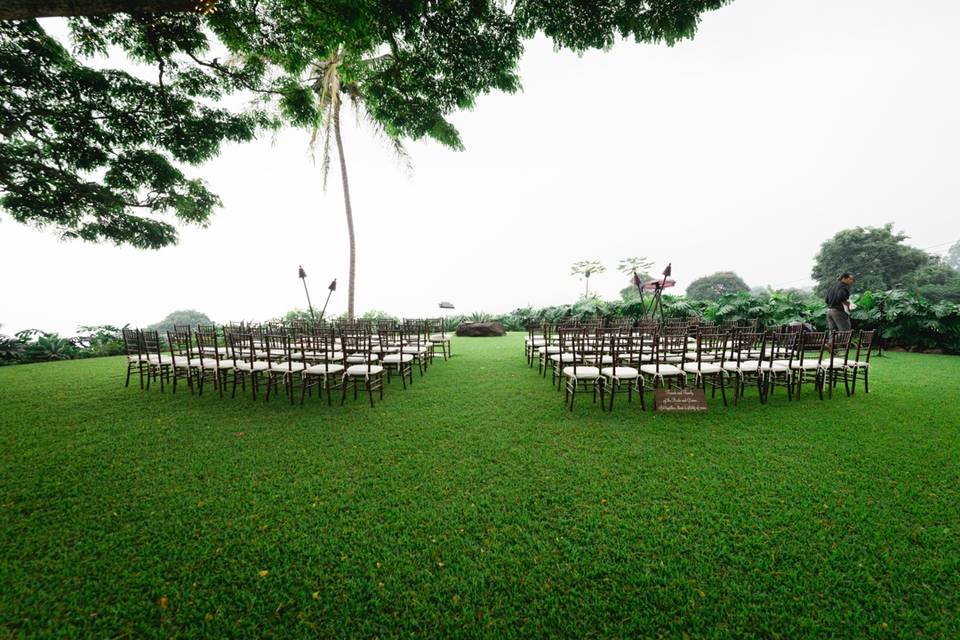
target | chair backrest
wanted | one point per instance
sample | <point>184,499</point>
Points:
<point>207,347</point>
<point>748,345</point>
<point>181,344</point>
<point>812,344</point>
<point>278,351</point>
<point>241,346</point>
<point>864,346</point>
<point>150,342</point>
<point>711,346</point>
<point>670,346</point>
<point>840,347</point>
<point>577,343</point>
<point>357,341</point>
<point>783,346</point>
<point>621,346</point>
<point>131,342</point>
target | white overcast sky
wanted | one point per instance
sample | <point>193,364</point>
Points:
<point>781,123</point>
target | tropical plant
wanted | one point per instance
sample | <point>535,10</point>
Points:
<point>586,268</point>
<point>48,347</point>
<point>480,316</point>
<point>11,349</point>
<point>99,340</point>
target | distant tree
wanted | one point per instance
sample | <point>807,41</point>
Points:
<point>185,316</point>
<point>876,256</point>
<point>586,268</point>
<point>934,282</point>
<point>713,286</point>
<point>953,257</point>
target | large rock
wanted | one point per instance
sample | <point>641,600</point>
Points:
<point>481,329</point>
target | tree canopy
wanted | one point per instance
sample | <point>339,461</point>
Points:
<point>714,286</point>
<point>953,256</point>
<point>876,256</point>
<point>99,154</point>
<point>190,317</point>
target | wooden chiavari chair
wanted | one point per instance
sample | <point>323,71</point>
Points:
<point>282,368</point>
<point>325,364</point>
<point>860,365</point>
<point>838,362</point>
<point>743,361</point>
<point>212,360</point>
<point>670,345</point>
<point>136,357</point>
<point>777,366</point>
<point>358,347</point>
<point>706,366</point>
<point>243,354</point>
<point>394,358</point>
<point>619,377</point>
<point>577,343</point>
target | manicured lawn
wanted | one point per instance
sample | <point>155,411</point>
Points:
<point>474,504</point>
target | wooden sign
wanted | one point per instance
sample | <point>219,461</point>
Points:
<point>679,400</point>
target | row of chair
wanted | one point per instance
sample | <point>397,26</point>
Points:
<point>612,360</point>
<point>325,357</point>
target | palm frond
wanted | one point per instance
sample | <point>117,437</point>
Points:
<point>365,118</point>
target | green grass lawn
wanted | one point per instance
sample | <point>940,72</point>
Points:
<point>475,504</point>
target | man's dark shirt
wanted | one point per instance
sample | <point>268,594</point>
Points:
<point>837,295</point>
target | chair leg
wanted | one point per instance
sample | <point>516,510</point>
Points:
<point>866,380</point>
<point>369,391</point>
<point>723,388</point>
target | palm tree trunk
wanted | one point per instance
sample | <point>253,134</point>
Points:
<point>346,202</point>
<point>586,293</point>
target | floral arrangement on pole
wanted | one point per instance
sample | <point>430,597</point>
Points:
<point>586,268</point>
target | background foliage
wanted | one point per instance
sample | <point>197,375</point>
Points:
<point>908,321</point>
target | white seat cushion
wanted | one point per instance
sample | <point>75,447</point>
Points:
<point>397,358</point>
<point>746,365</point>
<point>807,365</point>
<point>256,365</point>
<point>705,367</point>
<point>439,338</point>
<point>775,367</point>
<point>180,361</point>
<point>620,373</point>
<point>665,370</point>
<point>601,359</point>
<point>588,373</point>
<point>287,367</point>
<point>562,357</point>
<point>837,364</point>
<point>362,370</point>
<point>360,358</point>
<point>549,349</point>
<point>323,369</point>
<point>859,364</point>
<point>212,364</point>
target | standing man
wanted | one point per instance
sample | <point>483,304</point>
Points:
<point>838,304</point>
